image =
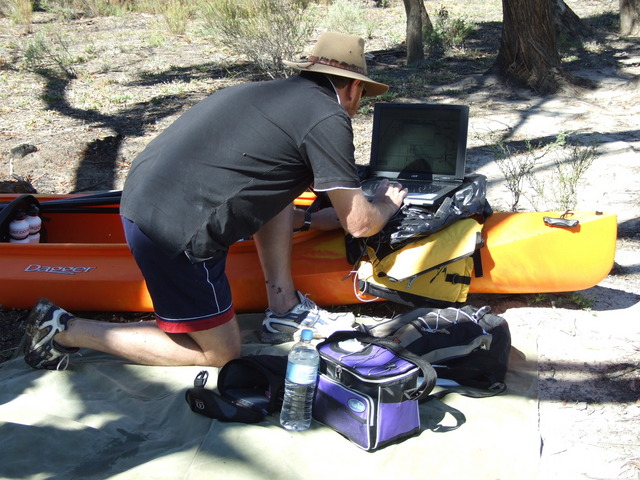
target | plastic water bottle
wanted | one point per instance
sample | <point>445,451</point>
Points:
<point>35,223</point>
<point>300,384</point>
<point>19,228</point>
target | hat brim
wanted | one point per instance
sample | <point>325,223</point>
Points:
<point>373,89</point>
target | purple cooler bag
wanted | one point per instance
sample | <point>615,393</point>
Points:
<point>368,389</point>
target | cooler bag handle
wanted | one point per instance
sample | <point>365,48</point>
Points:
<point>423,390</point>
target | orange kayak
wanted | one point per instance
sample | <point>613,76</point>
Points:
<point>522,254</point>
<point>83,263</point>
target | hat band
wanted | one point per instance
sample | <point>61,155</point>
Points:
<point>337,64</point>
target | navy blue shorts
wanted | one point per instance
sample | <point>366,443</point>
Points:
<point>186,296</point>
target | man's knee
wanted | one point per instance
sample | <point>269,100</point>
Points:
<point>220,344</point>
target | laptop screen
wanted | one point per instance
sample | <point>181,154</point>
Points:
<point>421,141</point>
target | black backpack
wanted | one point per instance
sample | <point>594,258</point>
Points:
<point>468,345</point>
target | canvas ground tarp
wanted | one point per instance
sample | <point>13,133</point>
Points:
<point>106,419</point>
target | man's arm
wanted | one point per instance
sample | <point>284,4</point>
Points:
<point>361,217</point>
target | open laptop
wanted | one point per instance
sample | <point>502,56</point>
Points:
<point>422,146</point>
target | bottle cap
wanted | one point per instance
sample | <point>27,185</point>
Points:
<point>306,335</point>
<point>19,215</point>
<point>33,210</point>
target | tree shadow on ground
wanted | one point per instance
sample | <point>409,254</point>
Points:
<point>105,153</point>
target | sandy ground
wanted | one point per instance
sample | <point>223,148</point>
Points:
<point>588,359</point>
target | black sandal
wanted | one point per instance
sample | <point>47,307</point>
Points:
<point>212,405</point>
<point>249,387</point>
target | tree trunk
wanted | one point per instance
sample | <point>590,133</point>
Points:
<point>630,18</point>
<point>415,50</point>
<point>566,21</point>
<point>528,52</point>
<point>427,26</point>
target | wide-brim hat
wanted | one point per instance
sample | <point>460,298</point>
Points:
<point>343,55</point>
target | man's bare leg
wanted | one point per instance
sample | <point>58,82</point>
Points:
<point>144,343</point>
<point>274,242</point>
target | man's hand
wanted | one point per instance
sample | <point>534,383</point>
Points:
<point>390,192</point>
<point>359,216</point>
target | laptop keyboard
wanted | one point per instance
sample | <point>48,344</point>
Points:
<point>422,187</point>
<point>369,187</point>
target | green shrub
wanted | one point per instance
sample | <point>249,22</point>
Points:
<point>349,16</point>
<point>19,11</point>
<point>448,33</point>
<point>554,188</point>
<point>44,53</point>
<point>176,14</point>
<point>69,9</point>
<point>264,31</point>
<point>516,166</point>
<point>558,190</point>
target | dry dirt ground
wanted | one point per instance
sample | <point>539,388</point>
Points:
<point>136,79</point>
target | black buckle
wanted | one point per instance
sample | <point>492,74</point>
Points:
<point>201,379</point>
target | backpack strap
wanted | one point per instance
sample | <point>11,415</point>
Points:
<point>456,279</point>
<point>477,264</point>
<point>495,389</point>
